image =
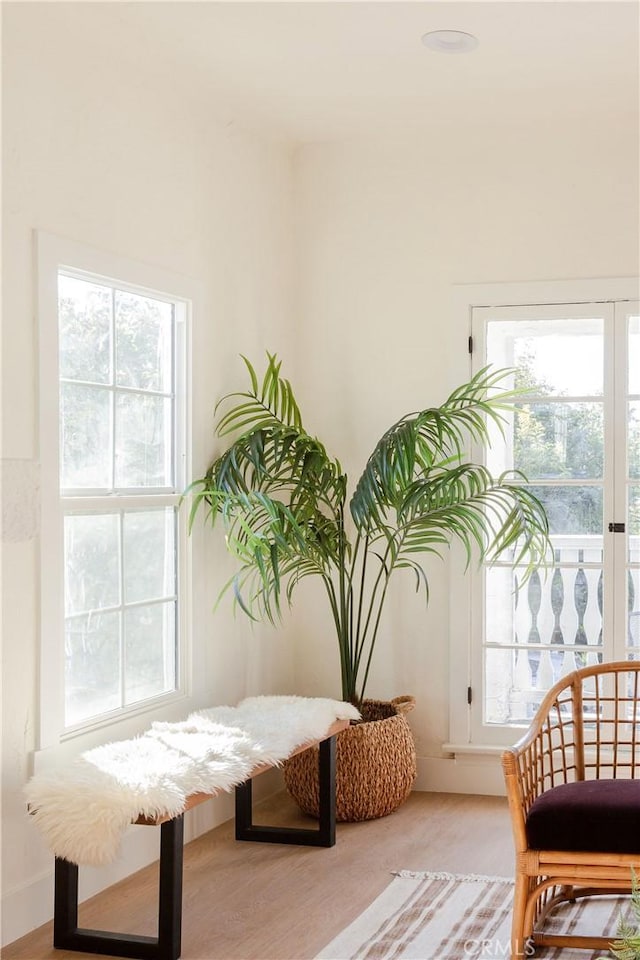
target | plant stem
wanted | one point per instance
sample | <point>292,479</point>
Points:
<point>374,635</point>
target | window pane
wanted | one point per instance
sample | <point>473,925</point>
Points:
<point>85,424</point>
<point>633,443</point>
<point>633,607</point>
<point>553,357</point>
<point>512,693</point>
<point>634,510</point>
<point>149,555</point>
<point>143,441</point>
<point>92,666</point>
<point>552,624</point>
<point>117,367</point>
<point>562,608</point>
<point>91,561</point>
<point>571,510</point>
<point>144,341</point>
<point>634,354</point>
<point>556,440</point>
<point>84,314</point>
<point>149,651</point>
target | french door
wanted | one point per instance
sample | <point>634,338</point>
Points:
<point>575,434</point>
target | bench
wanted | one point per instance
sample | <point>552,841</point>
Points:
<point>167,944</point>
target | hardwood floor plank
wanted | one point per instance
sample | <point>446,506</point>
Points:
<point>254,901</point>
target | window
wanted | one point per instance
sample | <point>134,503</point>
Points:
<point>575,433</point>
<point>113,421</point>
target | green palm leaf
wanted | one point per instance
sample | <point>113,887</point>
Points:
<point>281,500</point>
<point>420,442</point>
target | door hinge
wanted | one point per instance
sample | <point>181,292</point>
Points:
<point>616,528</point>
<point>470,344</point>
<point>469,696</point>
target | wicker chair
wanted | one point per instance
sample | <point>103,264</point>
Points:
<point>574,799</point>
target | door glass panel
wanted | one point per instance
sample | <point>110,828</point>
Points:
<point>633,610</point>
<point>559,607</point>
<point>633,487</point>
<point>559,440</point>
<point>571,510</point>
<point>553,357</point>
<point>549,625</point>
<point>633,444</point>
<point>634,355</point>
<point>634,511</point>
<point>537,630</point>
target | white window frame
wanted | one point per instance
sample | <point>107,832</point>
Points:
<point>465,735</point>
<point>53,255</point>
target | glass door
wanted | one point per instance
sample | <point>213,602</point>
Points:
<point>561,437</point>
<point>628,329</point>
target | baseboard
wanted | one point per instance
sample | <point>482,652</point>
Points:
<point>479,775</point>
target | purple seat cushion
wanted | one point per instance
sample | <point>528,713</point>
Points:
<point>597,816</point>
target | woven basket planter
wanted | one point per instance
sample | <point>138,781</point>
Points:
<point>375,764</point>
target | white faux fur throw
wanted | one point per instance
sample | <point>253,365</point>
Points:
<point>84,808</point>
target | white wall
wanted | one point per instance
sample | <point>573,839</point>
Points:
<point>384,230</point>
<point>96,154</point>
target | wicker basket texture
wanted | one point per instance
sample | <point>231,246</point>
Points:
<point>375,764</point>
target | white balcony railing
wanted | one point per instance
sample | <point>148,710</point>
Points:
<point>552,624</point>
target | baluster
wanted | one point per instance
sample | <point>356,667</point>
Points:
<point>557,603</point>
<point>568,663</point>
<point>534,599</point>
<point>580,599</point>
<point>545,672</point>
<point>521,673</point>
<point>599,595</point>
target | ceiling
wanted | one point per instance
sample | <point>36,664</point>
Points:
<point>309,71</point>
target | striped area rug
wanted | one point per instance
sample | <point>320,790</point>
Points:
<point>441,916</point>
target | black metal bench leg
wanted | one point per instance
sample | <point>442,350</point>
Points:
<point>65,908</point>
<point>166,946</point>
<point>327,791</point>
<point>170,889</point>
<point>324,836</point>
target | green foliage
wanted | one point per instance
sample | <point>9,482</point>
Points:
<point>627,946</point>
<point>282,501</point>
<point>558,440</point>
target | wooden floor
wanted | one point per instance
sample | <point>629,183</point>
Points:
<point>252,901</point>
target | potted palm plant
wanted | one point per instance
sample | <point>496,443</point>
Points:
<point>284,505</point>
